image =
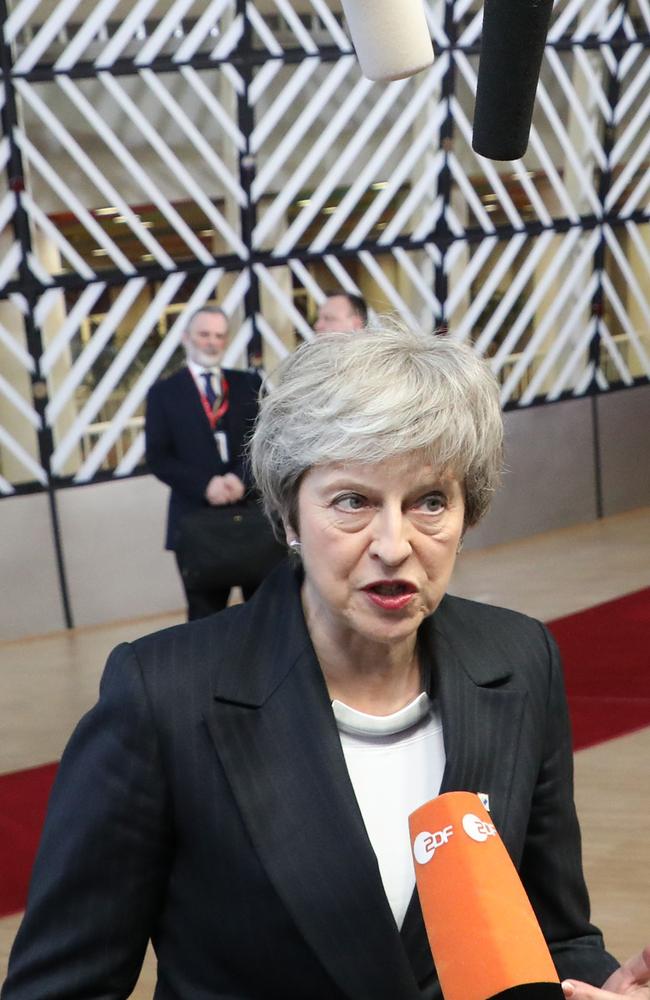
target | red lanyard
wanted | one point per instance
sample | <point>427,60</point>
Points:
<point>214,416</point>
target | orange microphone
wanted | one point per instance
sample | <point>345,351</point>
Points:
<point>485,939</point>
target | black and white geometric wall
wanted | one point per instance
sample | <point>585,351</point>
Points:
<point>156,156</point>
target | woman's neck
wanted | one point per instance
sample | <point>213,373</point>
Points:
<point>372,678</point>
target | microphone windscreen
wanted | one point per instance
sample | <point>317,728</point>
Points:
<point>512,47</point>
<point>485,939</point>
<point>391,37</point>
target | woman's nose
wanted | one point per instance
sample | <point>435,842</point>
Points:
<point>391,533</point>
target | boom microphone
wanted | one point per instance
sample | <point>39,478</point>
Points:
<point>484,936</point>
<point>512,47</point>
<point>391,37</point>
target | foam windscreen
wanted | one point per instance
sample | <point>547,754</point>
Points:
<point>512,47</point>
<point>484,937</point>
<point>391,37</point>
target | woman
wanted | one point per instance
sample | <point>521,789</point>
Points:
<point>240,792</point>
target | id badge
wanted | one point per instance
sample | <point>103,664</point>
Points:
<point>222,445</point>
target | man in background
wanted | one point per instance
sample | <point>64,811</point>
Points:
<point>196,428</point>
<point>341,313</point>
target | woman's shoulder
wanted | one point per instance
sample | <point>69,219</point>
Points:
<point>462,609</point>
<point>475,624</point>
<point>195,640</point>
<point>172,674</point>
<point>175,661</point>
<point>240,654</point>
<point>495,643</point>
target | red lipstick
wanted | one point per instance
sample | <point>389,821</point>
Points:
<point>390,595</point>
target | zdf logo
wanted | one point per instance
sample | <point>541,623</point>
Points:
<point>426,844</point>
<point>478,829</point>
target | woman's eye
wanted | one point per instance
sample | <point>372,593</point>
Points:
<point>350,502</point>
<point>432,504</point>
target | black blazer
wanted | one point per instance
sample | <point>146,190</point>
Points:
<point>205,802</point>
<point>180,445</point>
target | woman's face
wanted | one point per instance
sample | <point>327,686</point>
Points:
<point>378,544</point>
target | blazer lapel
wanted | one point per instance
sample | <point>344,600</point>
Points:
<point>237,411</point>
<point>194,415</point>
<point>481,718</point>
<point>273,728</point>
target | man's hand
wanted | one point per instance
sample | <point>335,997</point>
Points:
<point>235,487</point>
<point>216,492</point>
<point>631,980</point>
<point>223,490</point>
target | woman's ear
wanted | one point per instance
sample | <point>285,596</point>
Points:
<point>289,532</point>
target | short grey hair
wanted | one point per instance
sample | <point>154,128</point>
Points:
<point>211,310</point>
<point>373,394</point>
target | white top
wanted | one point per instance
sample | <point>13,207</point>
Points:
<point>215,376</point>
<point>395,764</point>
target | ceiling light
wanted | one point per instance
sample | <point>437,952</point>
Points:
<point>107,210</point>
<point>99,252</point>
<point>379,185</point>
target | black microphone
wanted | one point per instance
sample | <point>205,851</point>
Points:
<point>512,47</point>
<point>531,991</point>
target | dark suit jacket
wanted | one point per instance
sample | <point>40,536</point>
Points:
<point>205,802</point>
<point>181,450</point>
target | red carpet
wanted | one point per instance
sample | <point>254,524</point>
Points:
<point>606,655</point>
<point>23,799</point>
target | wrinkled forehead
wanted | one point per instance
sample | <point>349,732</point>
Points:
<point>405,471</point>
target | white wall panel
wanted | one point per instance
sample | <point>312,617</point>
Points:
<point>30,603</point>
<point>550,477</point>
<point>116,565</point>
<point>624,426</point>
